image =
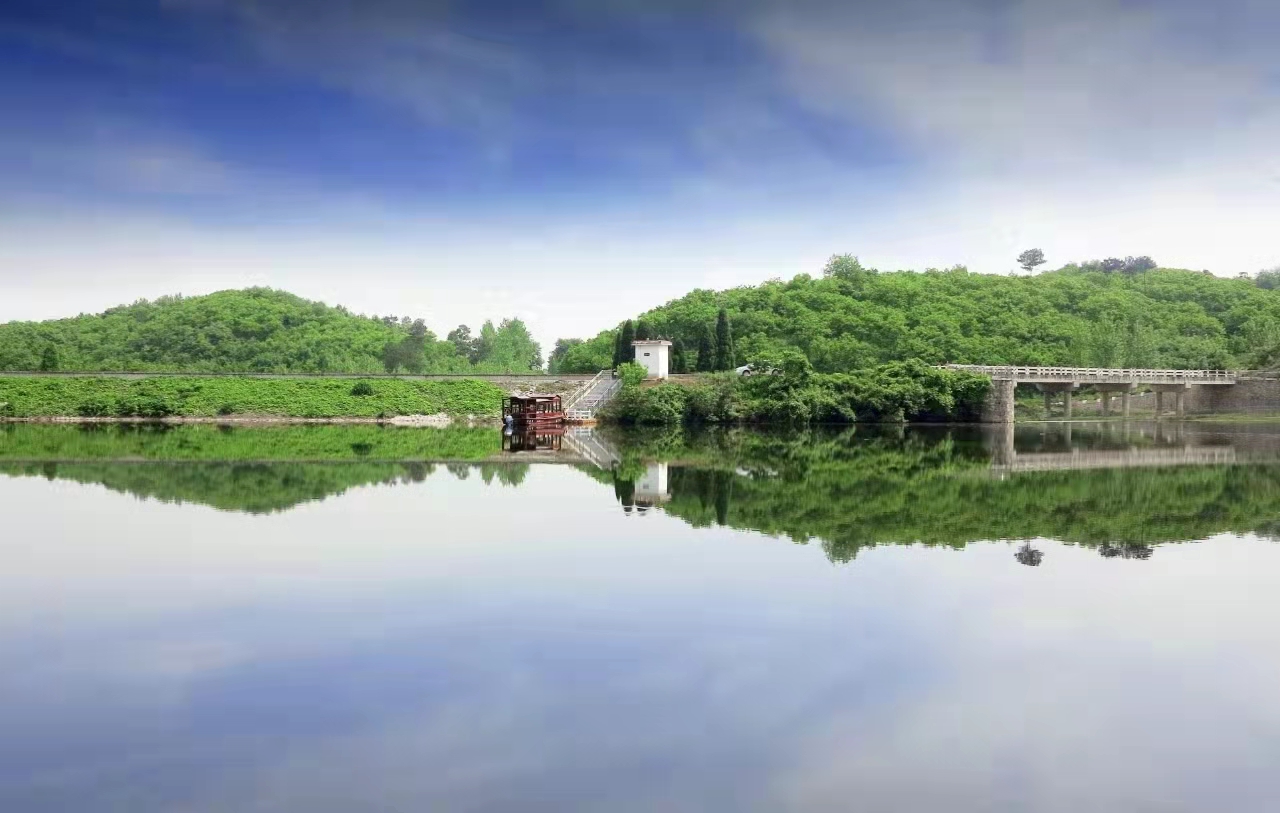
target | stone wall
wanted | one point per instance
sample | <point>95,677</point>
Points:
<point>997,407</point>
<point>1250,396</point>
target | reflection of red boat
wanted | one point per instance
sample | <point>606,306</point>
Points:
<point>533,440</point>
<point>533,411</point>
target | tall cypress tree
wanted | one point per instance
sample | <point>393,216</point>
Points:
<point>643,330</point>
<point>706,350</point>
<point>625,351</point>
<point>724,342</point>
<point>678,362</point>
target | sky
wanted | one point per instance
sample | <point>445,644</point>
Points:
<point>575,162</point>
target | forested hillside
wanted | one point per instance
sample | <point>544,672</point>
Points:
<point>259,330</point>
<point>1103,314</point>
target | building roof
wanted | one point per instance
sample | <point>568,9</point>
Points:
<point>650,341</point>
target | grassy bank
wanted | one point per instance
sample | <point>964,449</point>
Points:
<point>193,396</point>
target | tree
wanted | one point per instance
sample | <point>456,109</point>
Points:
<point>1031,258</point>
<point>625,351</point>
<point>391,357</point>
<point>617,348</point>
<point>1111,265</point>
<point>49,358</point>
<point>563,346</point>
<point>509,347</point>
<point>1137,265</point>
<point>1269,279</point>
<point>706,350</point>
<point>679,363</point>
<point>467,347</point>
<point>644,331</point>
<point>844,266</point>
<point>724,342</point>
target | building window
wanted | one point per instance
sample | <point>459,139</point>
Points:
<point>646,354</point>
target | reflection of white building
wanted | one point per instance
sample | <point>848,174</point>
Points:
<point>654,355</point>
<point>652,487</point>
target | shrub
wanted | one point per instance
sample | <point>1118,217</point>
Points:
<point>632,373</point>
<point>144,406</point>
<point>227,409</point>
<point>362,389</point>
<point>94,407</point>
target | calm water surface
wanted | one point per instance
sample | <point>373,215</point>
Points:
<point>910,620</point>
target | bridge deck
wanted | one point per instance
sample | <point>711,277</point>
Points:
<point>1096,375</point>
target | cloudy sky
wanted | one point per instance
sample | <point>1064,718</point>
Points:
<point>576,161</point>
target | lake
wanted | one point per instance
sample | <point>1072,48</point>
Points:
<point>1052,618</point>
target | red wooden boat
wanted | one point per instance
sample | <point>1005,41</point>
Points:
<point>533,411</point>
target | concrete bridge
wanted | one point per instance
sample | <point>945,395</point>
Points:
<point>1187,390</point>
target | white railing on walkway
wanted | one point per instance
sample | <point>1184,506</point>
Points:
<point>585,403</point>
<point>580,392</point>
<point>1097,375</point>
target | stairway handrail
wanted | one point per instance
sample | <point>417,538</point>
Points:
<point>579,393</point>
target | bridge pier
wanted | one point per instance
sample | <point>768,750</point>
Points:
<point>1049,389</point>
<point>1179,393</point>
<point>1105,391</point>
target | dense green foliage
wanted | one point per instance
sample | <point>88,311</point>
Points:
<point>90,397</point>
<point>934,488</point>
<point>257,330</point>
<point>784,390</point>
<point>1106,314</point>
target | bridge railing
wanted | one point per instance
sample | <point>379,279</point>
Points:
<point>1098,375</point>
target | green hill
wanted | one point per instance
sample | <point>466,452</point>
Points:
<point>854,318</point>
<point>257,330</point>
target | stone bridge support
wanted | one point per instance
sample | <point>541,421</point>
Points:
<point>1105,391</point>
<point>997,407</point>
<point>1065,387</point>
<point>1177,393</point>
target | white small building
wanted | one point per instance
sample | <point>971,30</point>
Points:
<point>654,355</point>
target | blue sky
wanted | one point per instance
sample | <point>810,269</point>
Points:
<point>428,157</point>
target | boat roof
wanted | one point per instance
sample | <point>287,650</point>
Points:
<point>534,397</point>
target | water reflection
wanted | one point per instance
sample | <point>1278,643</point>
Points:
<point>488,636</point>
<point>1121,490</point>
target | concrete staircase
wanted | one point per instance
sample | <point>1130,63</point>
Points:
<point>583,405</point>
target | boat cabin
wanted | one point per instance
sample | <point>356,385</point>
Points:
<point>536,411</point>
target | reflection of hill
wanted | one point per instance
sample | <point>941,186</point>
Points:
<point>255,469</point>
<point>254,488</point>
<point>206,442</point>
<point>937,491</point>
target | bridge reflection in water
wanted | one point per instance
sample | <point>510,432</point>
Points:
<point>1022,447</point>
<point>1106,445</point>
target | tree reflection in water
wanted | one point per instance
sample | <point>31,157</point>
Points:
<point>1029,556</point>
<point>1125,550</point>
<point>853,490</point>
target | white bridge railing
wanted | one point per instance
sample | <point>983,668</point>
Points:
<point>1097,375</point>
